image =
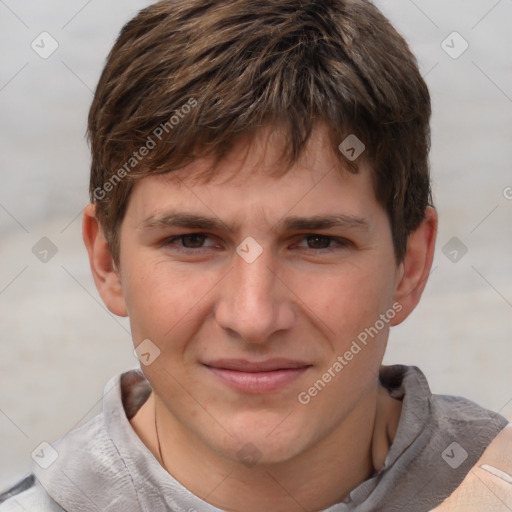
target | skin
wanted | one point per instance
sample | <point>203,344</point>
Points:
<point>488,485</point>
<point>303,298</point>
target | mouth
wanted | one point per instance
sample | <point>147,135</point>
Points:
<point>257,376</point>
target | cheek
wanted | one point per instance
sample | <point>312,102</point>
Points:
<point>347,300</point>
<point>351,306</point>
<point>164,301</point>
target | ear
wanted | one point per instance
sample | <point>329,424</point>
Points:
<point>414,270</point>
<point>105,274</point>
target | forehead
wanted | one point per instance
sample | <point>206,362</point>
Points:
<point>251,187</point>
<point>254,188</point>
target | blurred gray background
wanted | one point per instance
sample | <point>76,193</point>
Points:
<point>59,345</point>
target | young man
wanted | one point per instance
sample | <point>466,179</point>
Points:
<point>260,209</point>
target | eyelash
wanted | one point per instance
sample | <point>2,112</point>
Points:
<point>342,243</point>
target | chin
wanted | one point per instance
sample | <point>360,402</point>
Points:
<point>266,439</point>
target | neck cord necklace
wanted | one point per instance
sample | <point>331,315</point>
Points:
<point>162,462</point>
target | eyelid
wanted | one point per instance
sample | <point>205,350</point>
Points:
<point>178,238</point>
<point>340,242</point>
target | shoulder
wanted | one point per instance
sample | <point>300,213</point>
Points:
<point>466,422</point>
<point>495,466</point>
<point>489,482</point>
<point>27,494</point>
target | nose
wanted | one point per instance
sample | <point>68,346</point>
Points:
<point>254,301</point>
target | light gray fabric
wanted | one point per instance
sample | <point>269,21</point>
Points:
<point>34,499</point>
<point>104,466</point>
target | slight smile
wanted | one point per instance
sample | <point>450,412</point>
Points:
<point>257,377</point>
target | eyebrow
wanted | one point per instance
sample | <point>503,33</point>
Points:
<point>292,223</point>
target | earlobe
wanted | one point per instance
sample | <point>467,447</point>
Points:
<point>105,274</point>
<point>413,272</point>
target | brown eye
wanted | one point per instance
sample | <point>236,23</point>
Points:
<point>193,241</point>
<point>318,241</point>
<point>324,243</point>
<point>189,242</point>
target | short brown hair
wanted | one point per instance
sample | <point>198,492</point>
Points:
<point>201,73</point>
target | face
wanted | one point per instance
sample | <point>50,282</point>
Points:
<point>271,309</point>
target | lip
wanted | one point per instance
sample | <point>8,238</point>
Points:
<point>257,376</point>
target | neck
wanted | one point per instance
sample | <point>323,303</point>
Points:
<point>314,480</point>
